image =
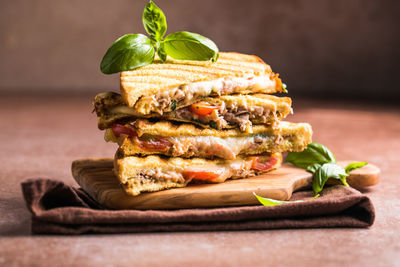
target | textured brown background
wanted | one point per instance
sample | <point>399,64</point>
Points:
<point>341,47</point>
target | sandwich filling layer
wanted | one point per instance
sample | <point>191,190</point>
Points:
<point>204,146</point>
<point>186,94</point>
<point>153,173</point>
<point>218,113</point>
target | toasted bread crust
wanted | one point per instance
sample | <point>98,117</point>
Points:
<point>158,77</point>
<point>128,170</point>
<point>166,128</point>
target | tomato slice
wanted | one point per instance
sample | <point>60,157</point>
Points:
<point>201,175</point>
<point>202,108</point>
<point>146,141</point>
<point>153,143</point>
<point>118,129</point>
<point>264,163</point>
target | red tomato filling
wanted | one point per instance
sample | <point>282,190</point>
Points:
<point>118,129</point>
<point>202,175</point>
<point>202,109</point>
<point>153,143</point>
<point>146,141</point>
<point>264,163</point>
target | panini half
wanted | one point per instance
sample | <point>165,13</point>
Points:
<point>185,140</point>
<point>153,173</point>
<point>161,86</point>
<point>224,112</point>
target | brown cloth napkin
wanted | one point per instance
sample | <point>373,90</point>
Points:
<point>61,209</point>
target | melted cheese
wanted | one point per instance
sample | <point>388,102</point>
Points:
<point>221,86</point>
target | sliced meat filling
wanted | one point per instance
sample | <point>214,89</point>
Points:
<point>221,116</point>
<point>216,115</point>
<point>157,174</point>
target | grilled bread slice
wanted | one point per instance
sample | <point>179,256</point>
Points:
<point>224,112</point>
<point>161,86</point>
<point>186,140</point>
<point>154,173</point>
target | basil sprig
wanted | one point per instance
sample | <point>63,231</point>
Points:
<point>321,162</point>
<point>132,51</point>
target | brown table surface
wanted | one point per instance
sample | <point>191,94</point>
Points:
<point>41,136</point>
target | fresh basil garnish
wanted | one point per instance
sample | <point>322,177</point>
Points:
<point>354,165</point>
<point>154,21</point>
<point>173,105</point>
<point>132,51</point>
<point>326,171</point>
<point>128,52</point>
<point>161,53</point>
<point>190,46</point>
<point>272,202</point>
<point>214,125</point>
<point>315,153</point>
<point>321,162</point>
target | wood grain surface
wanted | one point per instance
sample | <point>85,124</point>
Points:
<point>96,177</point>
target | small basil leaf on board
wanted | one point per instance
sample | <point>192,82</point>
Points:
<point>126,53</point>
<point>272,202</point>
<point>190,46</point>
<point>354,165</point>
<point>154,21</point>
<point>314,153</point>
<point>326,171</point>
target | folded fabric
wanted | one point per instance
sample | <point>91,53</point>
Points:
<point>61,209</point>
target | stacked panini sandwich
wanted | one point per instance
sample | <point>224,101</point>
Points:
<point>178,122</point>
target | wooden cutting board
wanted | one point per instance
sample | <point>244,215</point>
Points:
<point>96,177</point>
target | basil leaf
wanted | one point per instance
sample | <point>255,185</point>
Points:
<point>154,21</point>
<point>173,105</point>
<point>214,125</point>
<point>161,53</point>
<point>272,202</point>
<point>354,165</point>
<point>326,171</point>
<point>315,153</point>
<point>190,46</point>
<point>313,167</point>
<point>126,53</point>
